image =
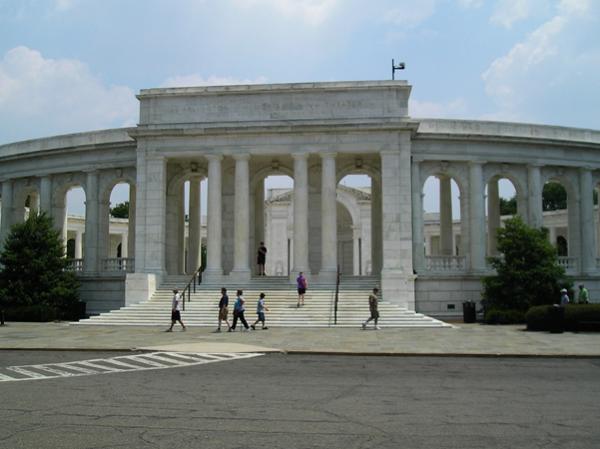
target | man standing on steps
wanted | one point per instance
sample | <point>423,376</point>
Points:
<point>176,311</point>
<point>223,304</point>
<point>373,309</point>
<point>261,258</point>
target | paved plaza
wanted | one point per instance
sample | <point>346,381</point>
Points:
<point>462,339</point>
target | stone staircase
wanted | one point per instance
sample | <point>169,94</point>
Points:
<point>281,298</point>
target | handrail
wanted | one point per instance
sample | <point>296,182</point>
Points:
<point>196,280</point>
<point>337,294</point>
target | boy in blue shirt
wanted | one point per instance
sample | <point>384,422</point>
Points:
<point>260,311</point>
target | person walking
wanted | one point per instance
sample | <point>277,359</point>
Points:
<point>176,311</point>
<point>301,285</point>
<point>261,258</point>
<point>564,297</point>
<point>584,295</point>
<point>238,312</point>
<point>260,311</point>
<point>223,309</point>
<point>373,308</point>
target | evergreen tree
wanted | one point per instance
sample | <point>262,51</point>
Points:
<point>34,267</point>
<point>528,274</point>
<point>121,210</point>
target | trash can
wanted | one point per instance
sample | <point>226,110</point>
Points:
<point>469,312</point>
<point>557,319</point>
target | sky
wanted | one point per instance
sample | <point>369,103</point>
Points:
<point>76,65</point>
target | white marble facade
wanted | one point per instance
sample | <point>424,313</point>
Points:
<point>236,136</point>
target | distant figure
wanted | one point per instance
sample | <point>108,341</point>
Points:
<point>301,285</point>
<point>261,258</point>
<point>373,300</point>
<point>176,311</point>
<point>584,295</point>
<point>238,312</point>
<point>260,311</point>
<point>564,297</point>
<point>223,310</point>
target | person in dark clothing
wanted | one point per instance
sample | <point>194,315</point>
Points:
<point>261,258</point>
<point>223,309</point>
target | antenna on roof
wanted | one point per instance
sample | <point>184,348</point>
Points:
<point>395,67</point>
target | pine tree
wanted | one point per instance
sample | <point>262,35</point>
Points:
<point>34,267</point>
<point>528,273</point>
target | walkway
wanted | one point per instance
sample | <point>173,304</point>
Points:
<point>463,339</point>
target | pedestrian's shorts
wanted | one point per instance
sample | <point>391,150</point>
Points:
<point>301,291</point>
<point>261,316</point>
<point>223,313</point>
<point>175,315</point>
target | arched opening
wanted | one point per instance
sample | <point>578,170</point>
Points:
<point>118,230</point>
<point>71,249</point>
<point>356,204</point>
<point>74,226</point>
<point>32,204</point>
<point>274,225</point>
<point>501,204</point>
<point>444,233</point>
<point>559,217</point>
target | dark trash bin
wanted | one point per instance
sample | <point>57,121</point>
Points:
<point>469,312</point>
<point>557,319</point>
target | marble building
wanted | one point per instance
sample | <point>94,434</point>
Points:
<point>316,133</point>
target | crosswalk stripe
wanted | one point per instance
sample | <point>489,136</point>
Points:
<point>141,362</point>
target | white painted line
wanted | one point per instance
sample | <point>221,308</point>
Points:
<point>98,366</point>
<point>54,370</point>
<point>166,359</point>
<point>74,367</point>
<point>141,359</point>
<point>28,373</point>
<point>4,377</point>
<point>116,361</point>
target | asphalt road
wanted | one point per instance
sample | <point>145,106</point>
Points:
<point>292,401</point>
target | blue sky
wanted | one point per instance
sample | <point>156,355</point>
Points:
<point>75,65</point>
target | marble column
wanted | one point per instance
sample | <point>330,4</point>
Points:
<point>241,221</point>
<point>328,218</point>
<point>46,194</point>
<point>476,216</point>
<point>92,225</point>
<point>588,243</point>
<point>301,242</point>
<point>78,245</point>
<point>150,232</point>
<point>34,204</point>
<point>397,278</point>
<point>214,264</point>
<point>131,224</point>
<point>124,245</point>
<point>417,218</point>
<point>7,216</point>
<point>376,229</point>
<point>181,230</point>
<point>446,231</point>
<point>259,222</point>
<point>534,184</point>
<point>493,221</point>
<point>356,233</point>
<point>103,232</point>
<point>194,227</point>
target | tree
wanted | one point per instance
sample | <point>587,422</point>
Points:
<point>508,207</point>
<point>121,210</point>
<point>34,267</point>
<point>554,197</point>
<point>528,273</point>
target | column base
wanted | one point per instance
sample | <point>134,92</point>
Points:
<point>140,287</point>
<point>240,275</point>
<point>398,288</point>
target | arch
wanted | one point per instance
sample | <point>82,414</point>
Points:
<point>269,170</point>
<point>350,168</point>
<point>185,175</point>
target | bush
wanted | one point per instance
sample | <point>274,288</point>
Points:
<point>35,312</point>
<point>539,318</point>
<point>508,316</point>
<point>34,270</point>
<point>528,274</point>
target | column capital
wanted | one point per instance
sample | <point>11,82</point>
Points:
<point>214,157</point>
<point>535,165</point>
<point>476,163</point>
<point>328,155</point>
<point>300,156</point>
<point>241,156</point>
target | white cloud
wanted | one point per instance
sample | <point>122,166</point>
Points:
<point>543,72</point>
<point>313,12</point>
<point>64,5</point>
<point>508,12</point>
<point>41,96</point>
<point>410,13</point>
<point>452,109</point>
<point>197,80</point>
<point>467,4</point>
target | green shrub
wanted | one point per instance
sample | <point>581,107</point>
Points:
<point>538,318</point>
<point>32,312</point>
<point>508,316</point>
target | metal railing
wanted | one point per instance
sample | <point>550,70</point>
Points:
<point>194,281</point>
<point>337,294</point>
<point>115,264</point>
